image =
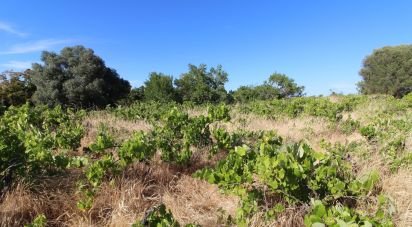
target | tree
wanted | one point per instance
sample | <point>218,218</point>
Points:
<point>76,78</point>
<point>276,87</point>
<point>136,94</point>
<point>199,85</point>
<point>16,88</point>
<point>159,87</point>
<point>285,86</point>
<point>387,70</point>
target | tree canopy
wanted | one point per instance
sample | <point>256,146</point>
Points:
<point>159,87</point>
<point>200,85</point>
<point>387,70</point>
<point>77,78</point>
<point>285,86</point>
<point>276,87</point>
<point>16,88</point>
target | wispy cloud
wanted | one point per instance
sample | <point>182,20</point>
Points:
<point>16,65</point>
<point>36,46</point>
<point>5,27</point>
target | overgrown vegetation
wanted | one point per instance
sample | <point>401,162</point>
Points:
<point>268,173</point>
<point>274,156</point>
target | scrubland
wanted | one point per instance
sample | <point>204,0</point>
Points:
<point>302,161</point>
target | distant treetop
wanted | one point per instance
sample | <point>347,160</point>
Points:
<point>387,70</point>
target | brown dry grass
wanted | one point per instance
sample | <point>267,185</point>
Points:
<point>120,128</point>
<point>311,129</point>
<point>195,201</point>
<point>53,196</point>
<point>399,187</point>
<point>120,201</point>
<point>292,217</point>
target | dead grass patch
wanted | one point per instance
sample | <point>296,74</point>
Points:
<point>399,188</point>
<point>196,201</point>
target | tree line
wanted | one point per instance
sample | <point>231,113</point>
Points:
<point>77,77</point>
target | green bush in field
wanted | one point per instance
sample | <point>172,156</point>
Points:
<point>34,140</point>
<point>295,173</point>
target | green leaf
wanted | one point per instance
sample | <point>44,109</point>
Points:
<point>241,151</point>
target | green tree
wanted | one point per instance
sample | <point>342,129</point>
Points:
<point>285,86</point>
<point>245,94</point>
<point>276,87</point>
<point>387,70</point>
<point>77,78</point>
<point>200,85</point>
<point>159,87</point>
<point>16,88</point>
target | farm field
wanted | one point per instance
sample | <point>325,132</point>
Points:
<point>306,161</point>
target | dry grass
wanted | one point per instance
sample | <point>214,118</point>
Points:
<point>54,197</point>
<point>292,217</point>
<point>196,201</point>
<point>399,188</point>
<point>120,128</point>
<point>311,129</point>
<point>120,201</point>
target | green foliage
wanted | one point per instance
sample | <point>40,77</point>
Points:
<point>159,87</point>
<point>158,217</point>
<point>16,88</point>
<point>135,95</point>
<point>98,169</point>
<point>178,133</point>
<point>39,221</point>
<point>200,85</point>
<point>368,131</point>
<point>407,99</point>
<point>295,107</point>
<point>338,215</point>
<point>285,86</point>
<point>138,147</point>
<point>150,111</point>
<point>76,78</point>
<point>103,140</point>
<point>278,86</point>
<point>387,71</point>
<point>33,140</point>
<point>294,172</point>
<point>391,135</point>
<point>349,126</point>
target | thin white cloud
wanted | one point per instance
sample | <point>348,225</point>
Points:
<point>5,27</point>
<point>16,65</point>
<point>36,46</point>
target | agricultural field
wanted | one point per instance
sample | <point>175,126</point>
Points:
<point>306,161</point>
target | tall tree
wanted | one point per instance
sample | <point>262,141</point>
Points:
<point>387,70</point>
<point>200,85</point>
<point>16,88</point>
<point>159,87</point>
<point>77,78</point>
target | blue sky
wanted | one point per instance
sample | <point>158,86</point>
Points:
<point>321,44</point>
